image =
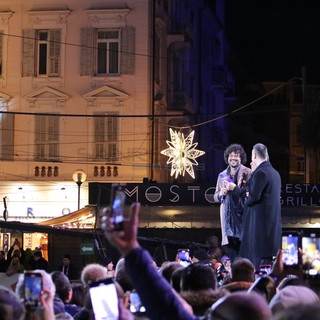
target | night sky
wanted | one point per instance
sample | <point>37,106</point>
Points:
<point>272,40</point>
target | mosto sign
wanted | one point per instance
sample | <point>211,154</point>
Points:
<point>156,194</point>
<point>166,194</point>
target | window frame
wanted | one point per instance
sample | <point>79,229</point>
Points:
<point>106,136</point>
<point>47,137</point>
<point>108,58</point>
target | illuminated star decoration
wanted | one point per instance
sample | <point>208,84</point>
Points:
<point>182,153</point>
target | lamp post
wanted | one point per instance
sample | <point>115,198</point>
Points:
<point>79,177</point>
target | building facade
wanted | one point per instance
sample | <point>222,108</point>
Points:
<point>94,86</point>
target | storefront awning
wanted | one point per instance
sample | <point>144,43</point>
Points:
<point>83,218</point>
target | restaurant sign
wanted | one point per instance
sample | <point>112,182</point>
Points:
<point>166,194</point>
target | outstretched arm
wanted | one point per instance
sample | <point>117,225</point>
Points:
<point>156,293</point>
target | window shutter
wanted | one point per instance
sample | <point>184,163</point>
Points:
<point>127,50</point>
<point>87,52</point>
<point>1,54</point>
<point>7,136</point>
<point>28,50</point>
<point>53,137</point>
<point>54,52</point>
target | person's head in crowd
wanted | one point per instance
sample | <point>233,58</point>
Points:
<point>290,296</point>
<point>239,306</point>
<point>62,284</point>
<point>167,270</point>
<point>200,255</point>
<point>198,277</point>
<point>37,255</point>
<point>78,294</point>
<point>198,287</point>
<point>93,272</point>
<point>225,260</point>
<point>16,253</point>
<point>64,292</point>
<point>241,277</point>
<point>214,256</point>
<point>291,280</point>
<point>11,307</point>
<point>121,276</point>
<point>264,286</point>
<point>175,279</point>
<point>66,261</point>
<point>299,312</point>
<point>213,242</point>
<point>242,269</point>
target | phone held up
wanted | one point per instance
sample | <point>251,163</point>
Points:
<point>116,210</point>
<point>136,306</point>
<point>104,299</point>
<point>290,249</point>
<point>311,255</point>
<point>184,256</point>
<point>32,289</point>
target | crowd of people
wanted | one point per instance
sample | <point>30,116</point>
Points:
<point>224,281</point>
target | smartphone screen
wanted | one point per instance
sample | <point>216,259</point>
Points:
<point>183,254</point>
<point>104,300</point>
<point>184,257</point>
<point>311,255</point>
<point>118,197</point>
<point>32,289</point>
<point>135,303</point>
<point>290,249</point>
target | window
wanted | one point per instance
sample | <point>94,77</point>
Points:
<point>107,54</point>
<point>46,138</point>
<point>41,53</point>
<point>300,164</point>
<point>107,51</point>
<point>106,137</point>
<point>6,136</point>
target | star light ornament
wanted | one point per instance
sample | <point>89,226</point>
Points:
<point>182,153</point>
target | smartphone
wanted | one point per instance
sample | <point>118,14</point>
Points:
<point>135,303</point>
<point>32,289</point>
<point>184,254</point>
<point>266,264</point>
<point>265,268</point>
<point>104,299</point>
<point>118,198</point>
<point>311,255</point>
<point>290,249</point>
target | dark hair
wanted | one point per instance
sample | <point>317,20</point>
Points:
<point>198,276</point>
<point>62,283</point>
<point>167,270</point>
<point>236,148</point>
<point>37,253</point>
<point>175,279</point>
<point>78,294</point>
<point>242,269</point>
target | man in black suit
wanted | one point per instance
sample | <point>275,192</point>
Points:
<point>262,212</point>
<point>68,268</point>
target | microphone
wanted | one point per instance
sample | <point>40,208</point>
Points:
<point>242,179</point>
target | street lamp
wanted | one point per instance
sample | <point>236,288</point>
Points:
<point>79,177</point>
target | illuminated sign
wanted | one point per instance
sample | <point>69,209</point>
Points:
<point>166,194</point>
